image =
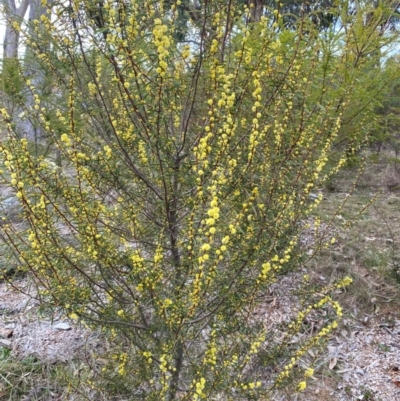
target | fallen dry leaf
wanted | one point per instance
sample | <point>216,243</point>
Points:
<point>5,333</point>
<point>396,382</point>
<point>5,343</point>
<point>332,363</point>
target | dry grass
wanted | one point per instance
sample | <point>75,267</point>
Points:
<point>31,379</point>
<point>368,251</point>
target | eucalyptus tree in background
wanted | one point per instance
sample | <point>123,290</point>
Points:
<point>322,13</point>
<point>34,72</point>
<point>18,67</point>
<point>14,14</point>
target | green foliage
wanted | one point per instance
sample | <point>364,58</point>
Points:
<point>386,130</point>
<point>12,82</point>
<point>184,184</point>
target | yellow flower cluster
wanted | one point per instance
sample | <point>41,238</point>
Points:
<point>123,358</point>
<point>148,356</point>
<point>162,41</point>
<point>211,355</point>
<point>251,385</point>
<point>199,385</point>
<point>301,386</point>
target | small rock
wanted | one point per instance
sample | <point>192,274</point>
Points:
<point>62,326</point>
